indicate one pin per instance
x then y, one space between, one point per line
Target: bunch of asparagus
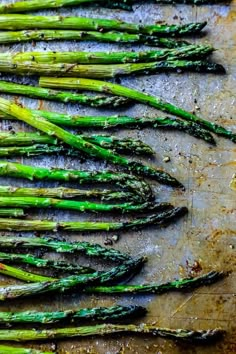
184 56
89 281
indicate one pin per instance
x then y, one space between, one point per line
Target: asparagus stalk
26 22
89 249
182 53
103 86
70 283
107 141
53 95
12 213
62 193
44 263
108 314
22 275
5 349
176 285
160 219
200 336
38 149
81 206
123 180
34 5
189 127
100 71
7 37
79 143
179 284
35 150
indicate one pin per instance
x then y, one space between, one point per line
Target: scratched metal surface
206 235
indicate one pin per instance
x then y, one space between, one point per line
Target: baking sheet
206 234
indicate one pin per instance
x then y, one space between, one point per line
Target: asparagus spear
200 336
82 206
107 141
12 212
53 95
108 314
89 249
34 5
7 37
25 22
123 180
5 349
187 52
22 275
179 284
98 71
160 219
63 193
103 86
189 127
38 149
40 123
69 283
45 263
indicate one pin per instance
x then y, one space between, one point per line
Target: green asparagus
103 86
12 212
107 141
45 263
22 275
189 127
176 285
62 193
53 95
160 219
108 314
51 244
81 206
187 52
7 37
25 22
5 349
101 71
42 124
179 284
200 336
38 149
118 273
123 180
34 5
